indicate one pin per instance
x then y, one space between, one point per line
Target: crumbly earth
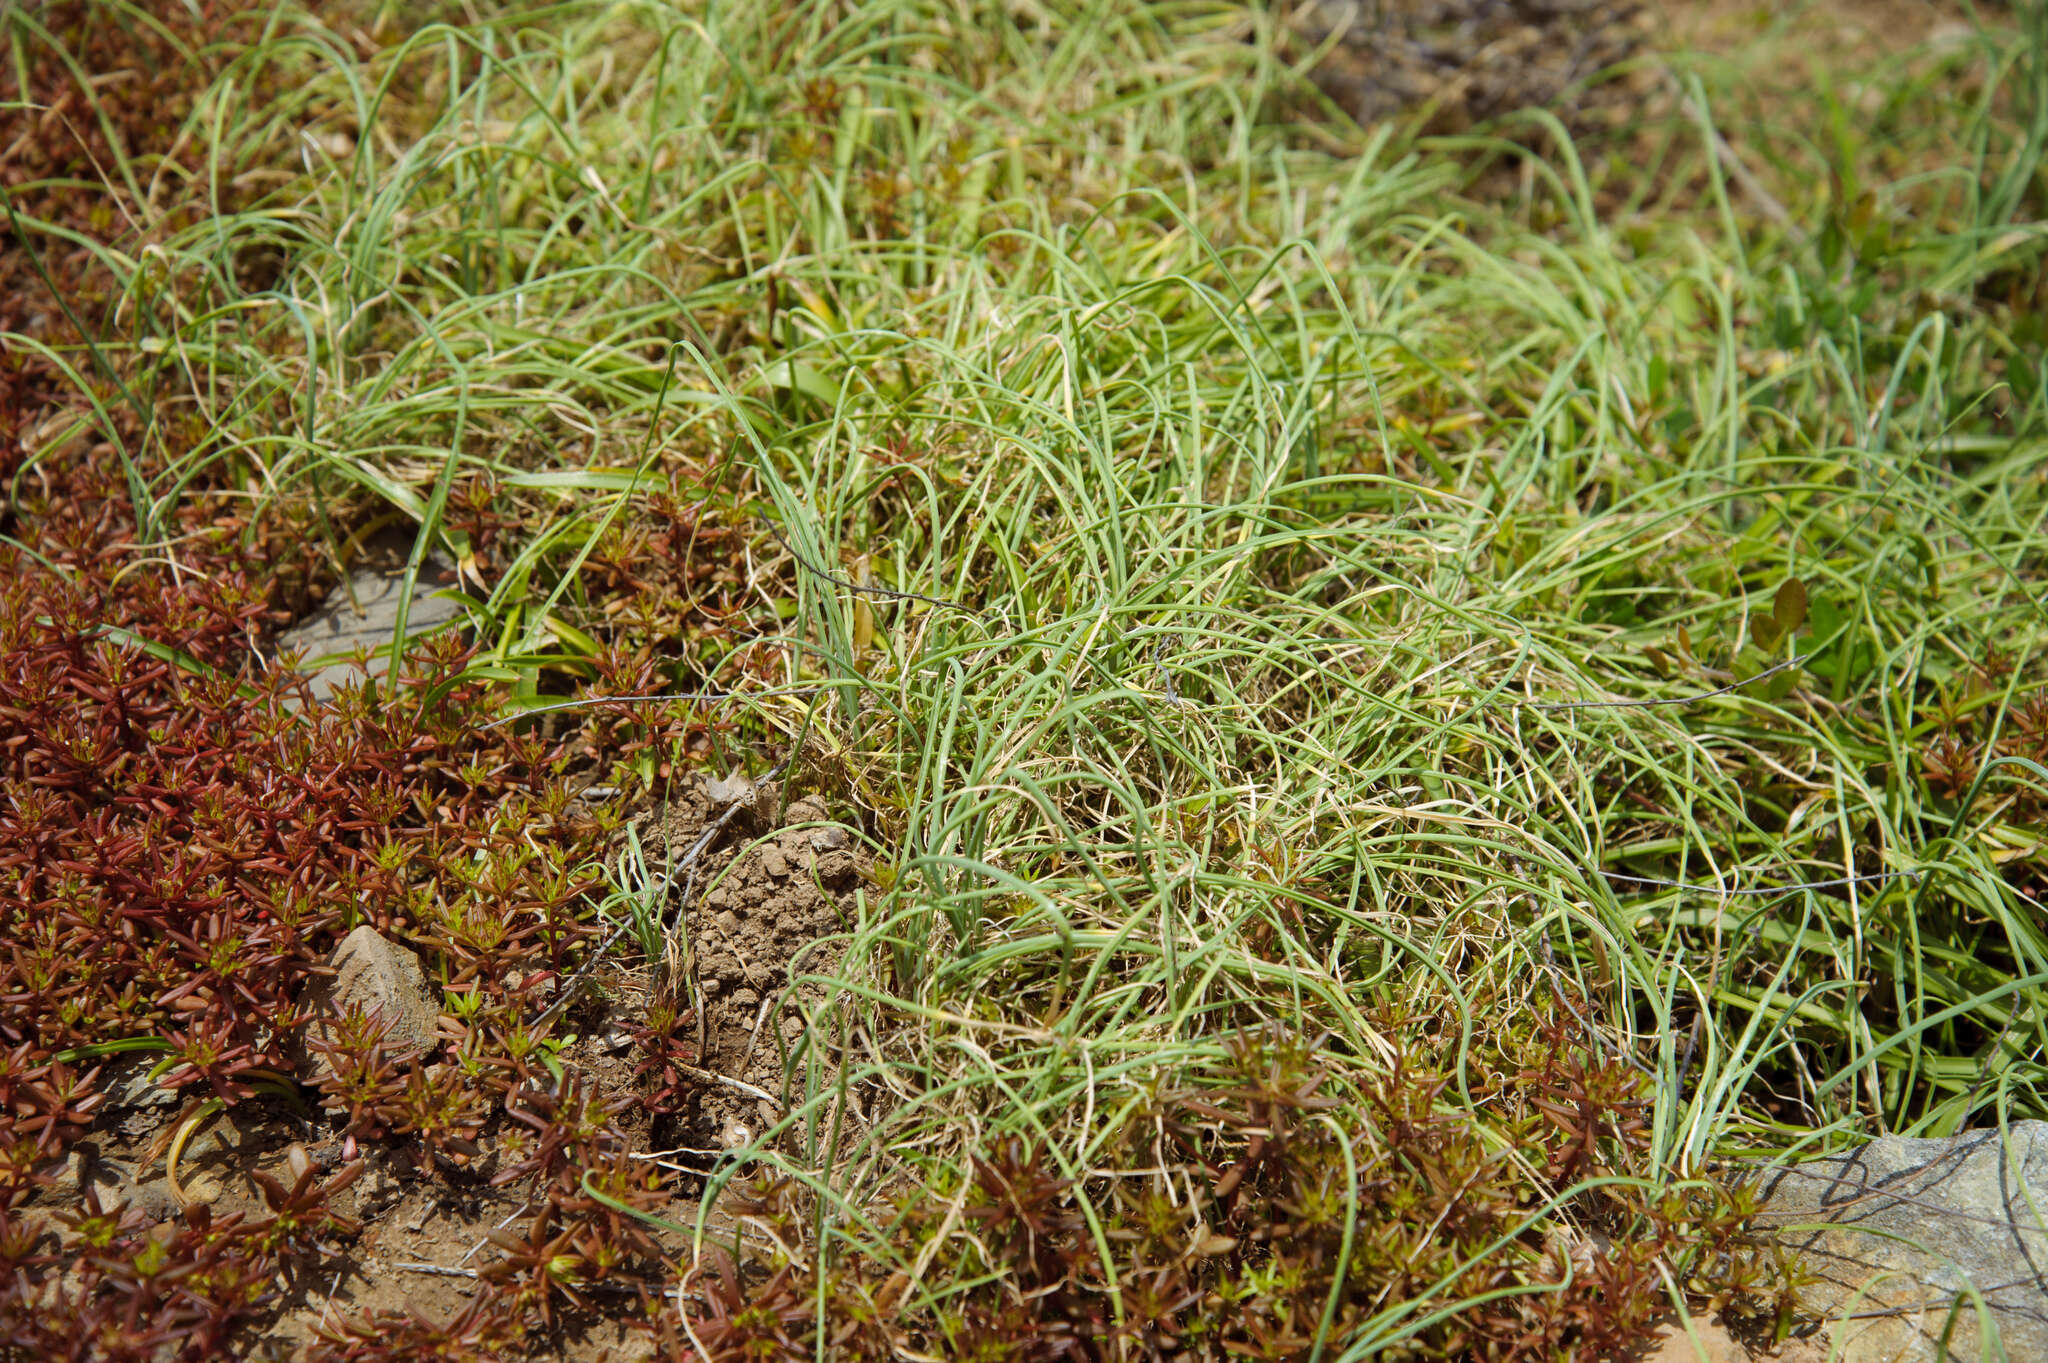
764 904
1459 62
1709 1342
1807 34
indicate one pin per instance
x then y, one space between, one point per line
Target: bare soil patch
1807 34
762 905
1458 62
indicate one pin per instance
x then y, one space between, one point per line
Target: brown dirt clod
1460 62
774 886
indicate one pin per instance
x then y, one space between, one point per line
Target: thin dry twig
885 593
582 701
1732 164
1762 889
1647 704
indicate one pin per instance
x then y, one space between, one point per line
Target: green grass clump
1400 727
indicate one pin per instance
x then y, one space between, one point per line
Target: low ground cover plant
1093 713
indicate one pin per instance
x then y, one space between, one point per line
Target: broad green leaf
802 378
1789 609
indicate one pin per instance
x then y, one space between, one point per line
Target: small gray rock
85 1169
154 1200
1899 1231
365 615
385 981
129 1086
735 789
379 1188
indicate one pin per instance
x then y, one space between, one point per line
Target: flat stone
1899 1232
154 1200
364 615
735 789
379 1189
128 1085
85 1169
383 979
